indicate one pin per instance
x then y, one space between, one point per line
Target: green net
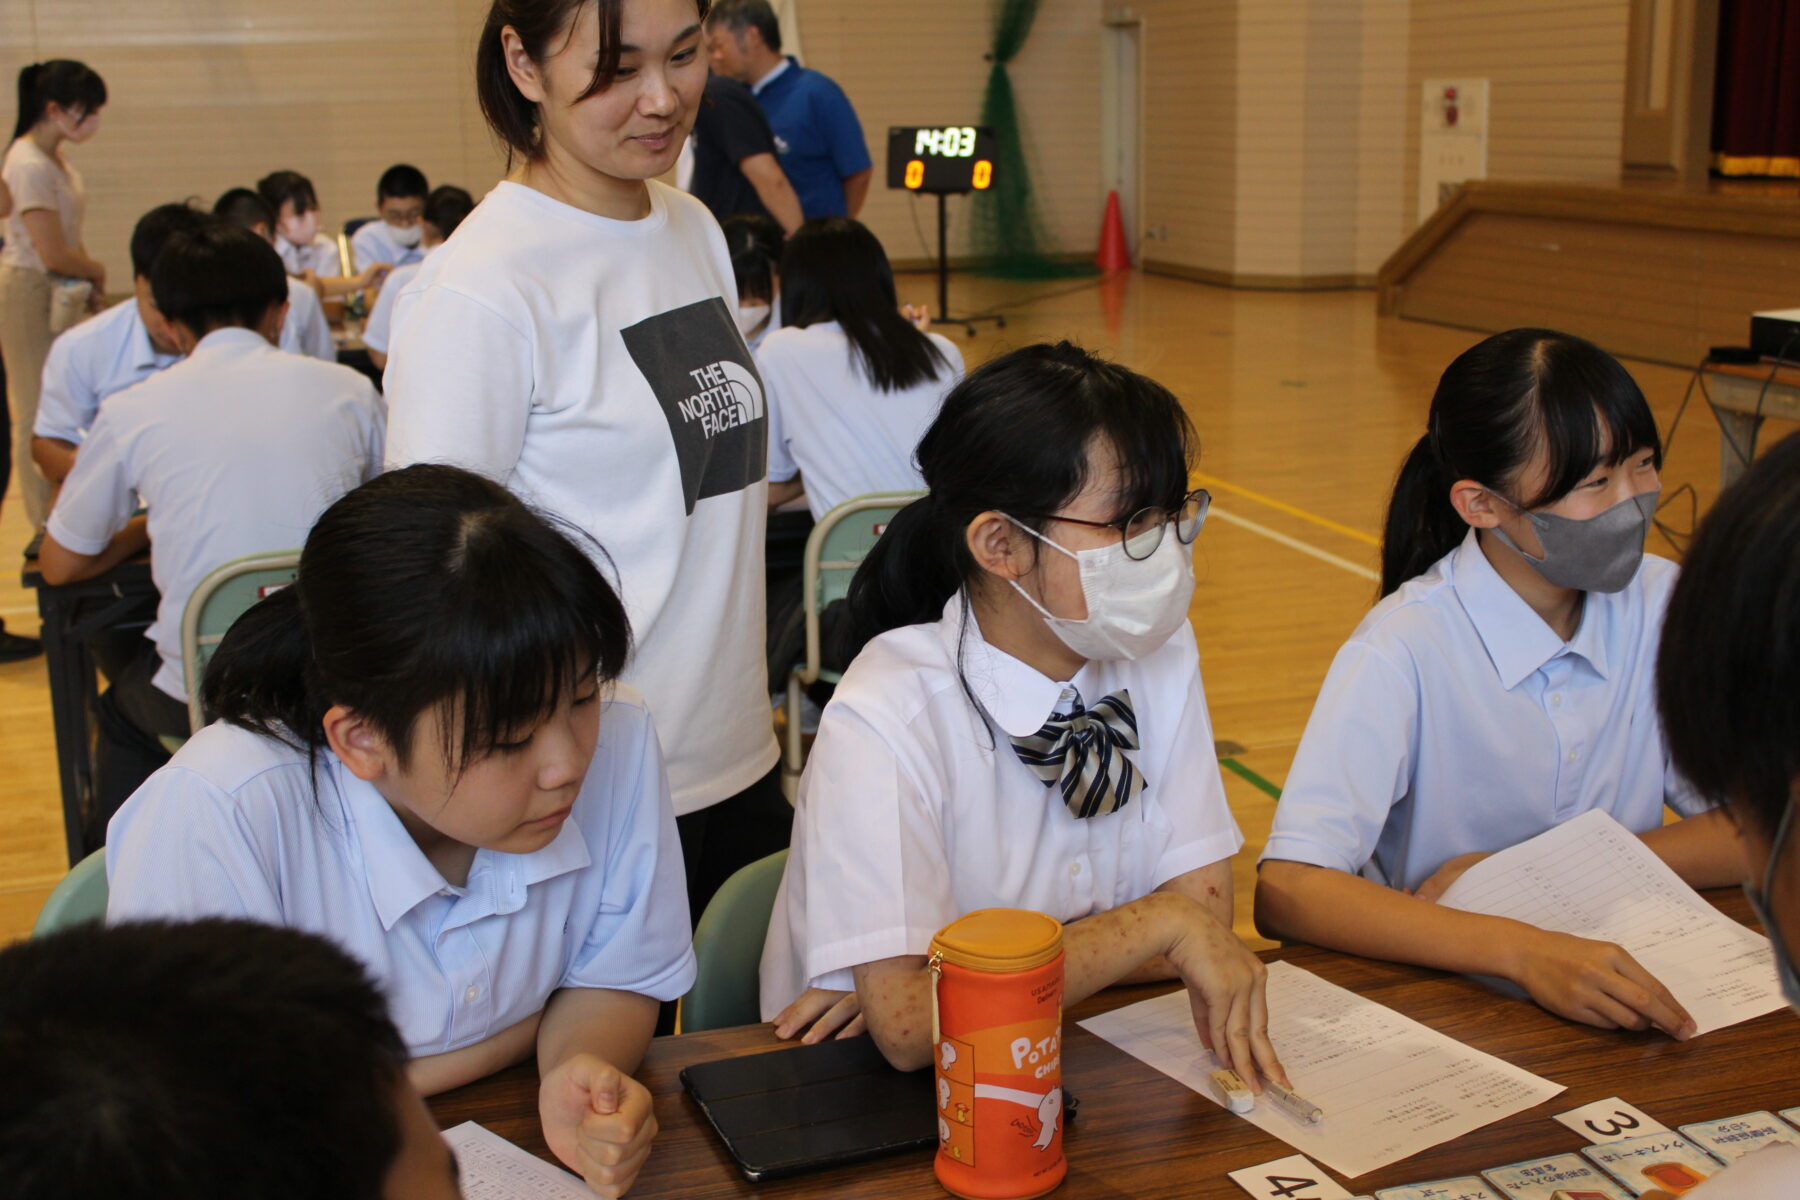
1006 236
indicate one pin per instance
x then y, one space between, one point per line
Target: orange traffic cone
1114 254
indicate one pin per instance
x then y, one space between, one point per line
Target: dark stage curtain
1756 106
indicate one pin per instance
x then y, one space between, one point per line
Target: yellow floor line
1293 543
1215 483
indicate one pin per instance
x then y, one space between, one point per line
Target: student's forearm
856 190
1211 888
783 490
777 195
54 457
434 1073
612 1026
379 358
60 565
1703 849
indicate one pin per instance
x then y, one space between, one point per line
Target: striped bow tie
1088 755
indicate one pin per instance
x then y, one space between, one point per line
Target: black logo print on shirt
696 362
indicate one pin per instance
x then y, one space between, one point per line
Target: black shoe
14 648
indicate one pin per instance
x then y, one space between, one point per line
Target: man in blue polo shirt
817 135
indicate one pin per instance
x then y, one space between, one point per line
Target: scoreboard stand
942 161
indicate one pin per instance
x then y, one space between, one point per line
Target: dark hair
446 207
1015 436
1495 405
752 14
754 242
290 187
213 1058
834 269
156 227
542 26
217 275
402 181
1730 656
63 81
428 588
245 209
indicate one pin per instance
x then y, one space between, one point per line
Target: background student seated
395 236
122 346
1502 686
445 209
217 1058
306 252
305 331
421 754
755 244
234 451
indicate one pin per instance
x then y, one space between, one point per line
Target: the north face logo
726 396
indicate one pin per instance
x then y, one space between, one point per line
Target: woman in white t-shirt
59 101
575 341
1025 727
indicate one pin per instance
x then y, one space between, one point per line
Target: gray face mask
1599 554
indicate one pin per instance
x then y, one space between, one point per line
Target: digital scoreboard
940 159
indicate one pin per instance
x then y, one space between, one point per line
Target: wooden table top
1141 1134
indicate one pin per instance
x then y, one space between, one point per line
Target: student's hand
372 275
598 1120
820 1013
1441 879
919 315
1227 989
310 278
1597 983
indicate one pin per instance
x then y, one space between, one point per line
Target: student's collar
1517 640
775 72
1019 698
231 339
144 354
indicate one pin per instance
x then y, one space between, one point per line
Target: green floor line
1251 777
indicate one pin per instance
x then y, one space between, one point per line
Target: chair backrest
80 897
356 223
220 599
728 946
837 545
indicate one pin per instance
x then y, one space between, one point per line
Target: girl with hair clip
59 102
1024 726
1502 686
576 341
423 755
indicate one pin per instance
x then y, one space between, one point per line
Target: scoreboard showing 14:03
940 158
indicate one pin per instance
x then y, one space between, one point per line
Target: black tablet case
790 1111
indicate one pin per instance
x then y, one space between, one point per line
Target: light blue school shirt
103 355
1455 720
372 243
238 825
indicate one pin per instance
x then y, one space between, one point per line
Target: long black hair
73 85
1730 656
1016 436
834 269
428 588
1495 405
754 242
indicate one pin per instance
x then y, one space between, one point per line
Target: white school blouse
319 256
378 330
238 825
372 243
843 435
103 355
914 808
306 331
1455 720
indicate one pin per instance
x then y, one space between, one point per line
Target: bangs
1155 445
1590 413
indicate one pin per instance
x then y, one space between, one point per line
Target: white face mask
751 318
406 235
1133 605
300 230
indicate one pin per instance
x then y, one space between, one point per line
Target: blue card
1467 1187
1665 1161
1543 1178
1734 1137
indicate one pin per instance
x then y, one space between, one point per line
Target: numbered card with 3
1555 1178
1468 1187
1665 1161
1734 1137
1611 1120
1295 1177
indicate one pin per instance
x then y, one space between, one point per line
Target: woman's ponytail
1422 525
912 570
28 111
73 85
260 675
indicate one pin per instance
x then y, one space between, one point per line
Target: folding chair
728 945
81 897
220 599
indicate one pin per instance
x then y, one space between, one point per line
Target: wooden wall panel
1190 137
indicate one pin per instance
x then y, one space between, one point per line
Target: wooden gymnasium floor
1305 403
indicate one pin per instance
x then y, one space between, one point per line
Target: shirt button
1574 754
1556 700
1074 869
472 995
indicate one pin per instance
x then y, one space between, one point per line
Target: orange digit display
915 173
984 173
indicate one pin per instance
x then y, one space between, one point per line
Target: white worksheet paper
1389 1086
495 1169
1594 878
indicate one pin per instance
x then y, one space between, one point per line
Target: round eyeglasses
1142 532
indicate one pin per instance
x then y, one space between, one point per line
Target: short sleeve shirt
39 182
817 135
103 355
240 825
729 128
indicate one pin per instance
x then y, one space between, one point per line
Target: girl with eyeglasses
1024 726
1501 687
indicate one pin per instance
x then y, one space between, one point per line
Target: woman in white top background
59 103
576 341
1503 685
1026 726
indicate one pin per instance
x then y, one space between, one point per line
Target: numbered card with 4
1295 1177
1734 1137
1467 1187
1610 1120
1554 1178
1666 1161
